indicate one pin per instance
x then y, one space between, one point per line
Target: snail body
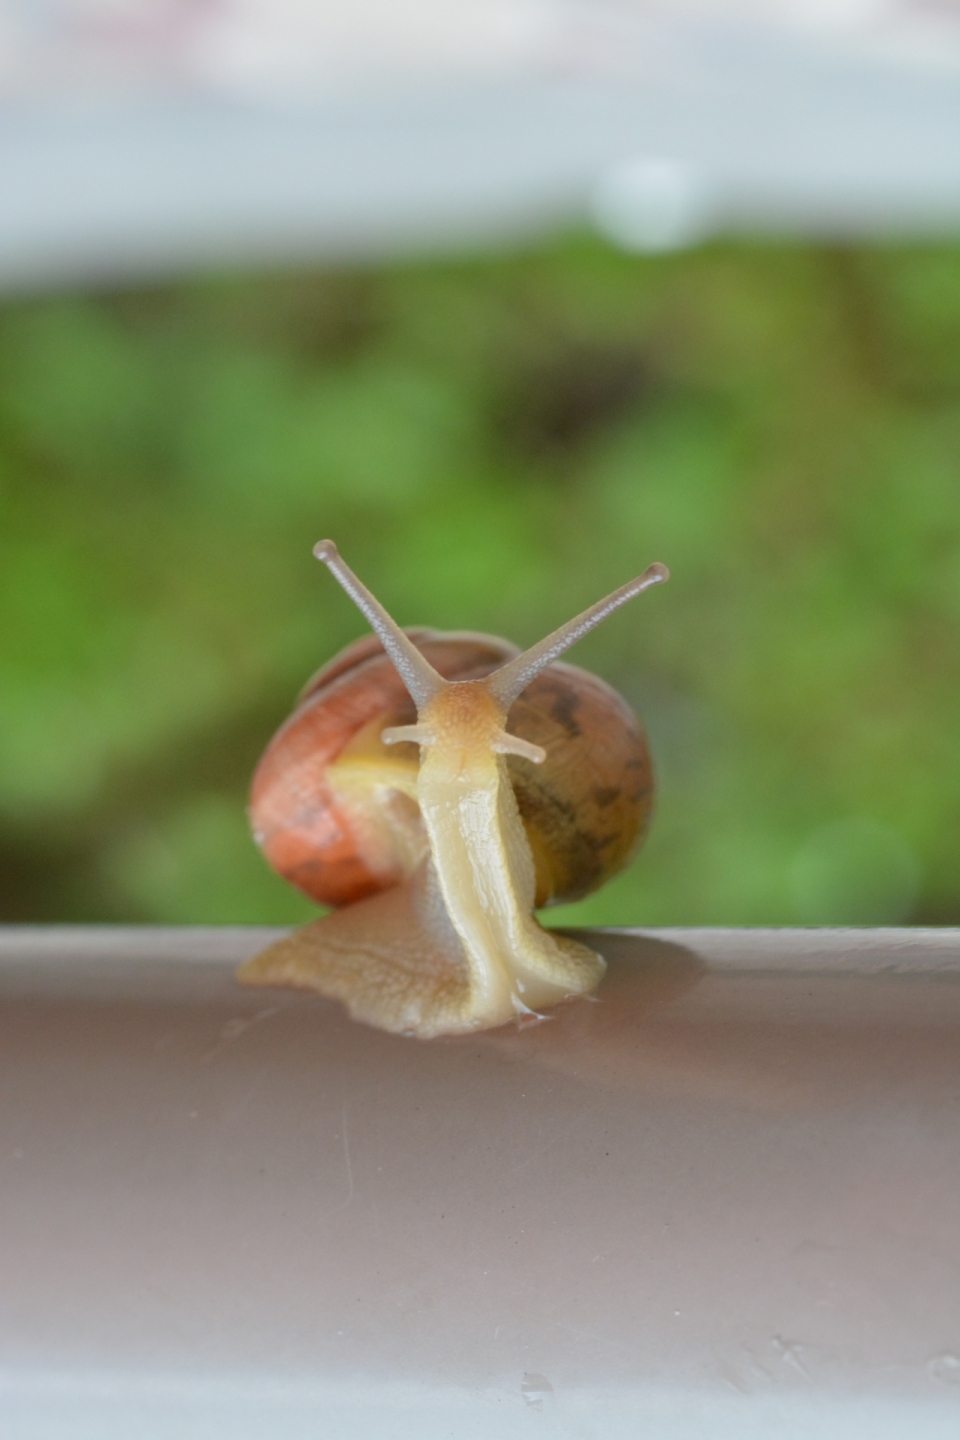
396 792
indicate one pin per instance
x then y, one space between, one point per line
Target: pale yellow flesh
485 872
456 947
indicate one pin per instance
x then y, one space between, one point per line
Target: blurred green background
494 443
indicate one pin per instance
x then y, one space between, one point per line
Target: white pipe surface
723 1199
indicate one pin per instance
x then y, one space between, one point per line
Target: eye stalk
416 672
509 682
503 686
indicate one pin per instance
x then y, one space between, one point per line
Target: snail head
465 717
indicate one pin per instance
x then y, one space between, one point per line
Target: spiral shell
585 810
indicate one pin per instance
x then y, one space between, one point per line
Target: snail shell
439 855
585 810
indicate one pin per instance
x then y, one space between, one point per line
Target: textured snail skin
438 858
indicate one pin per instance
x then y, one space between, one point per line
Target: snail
437 788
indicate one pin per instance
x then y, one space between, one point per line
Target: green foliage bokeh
494 443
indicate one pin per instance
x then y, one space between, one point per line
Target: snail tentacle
507 683
506 744
397 734
415 670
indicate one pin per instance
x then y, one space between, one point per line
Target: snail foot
391 959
